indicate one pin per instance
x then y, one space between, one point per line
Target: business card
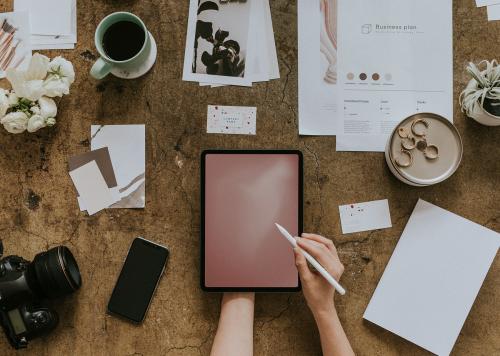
365 216
236 120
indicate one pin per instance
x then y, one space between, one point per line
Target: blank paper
92 187
433 278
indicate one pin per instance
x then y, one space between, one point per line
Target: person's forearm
235 332
334 341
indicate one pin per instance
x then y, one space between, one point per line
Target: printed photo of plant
220 44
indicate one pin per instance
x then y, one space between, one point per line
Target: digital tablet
243 195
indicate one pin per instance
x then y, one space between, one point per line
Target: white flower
48 107
63 69
29 84
54 86
15 122
13 98
38 68
35 109
35 123
51 121
29 89
4 102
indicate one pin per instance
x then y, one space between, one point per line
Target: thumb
301 263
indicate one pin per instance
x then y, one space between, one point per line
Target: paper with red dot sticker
236 120
365 216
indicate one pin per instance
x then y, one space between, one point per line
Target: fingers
319 251
301 263
323 240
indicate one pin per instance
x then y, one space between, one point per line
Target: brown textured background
38 207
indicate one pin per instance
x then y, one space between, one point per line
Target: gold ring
418 121
431 152
400 163
422 145
408 143
403 132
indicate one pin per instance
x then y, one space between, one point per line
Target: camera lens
56 272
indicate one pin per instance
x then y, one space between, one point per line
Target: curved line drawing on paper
135 199
328 38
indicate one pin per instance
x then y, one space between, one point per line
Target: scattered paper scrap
365 216
127 148
91 187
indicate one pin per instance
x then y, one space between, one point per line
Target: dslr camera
25 285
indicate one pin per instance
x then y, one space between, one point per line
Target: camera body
25 285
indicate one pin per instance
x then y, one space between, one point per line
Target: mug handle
100 69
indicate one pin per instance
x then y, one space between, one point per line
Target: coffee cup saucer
143 68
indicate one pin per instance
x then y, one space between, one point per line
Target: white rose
51 121
31 89
38 67
35 109
48 107
13 99
4 102
35 123
54 86
63 69
15 122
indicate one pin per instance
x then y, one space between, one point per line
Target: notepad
433 278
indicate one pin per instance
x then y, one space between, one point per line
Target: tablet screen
245 194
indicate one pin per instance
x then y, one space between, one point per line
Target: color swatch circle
363 76
375 76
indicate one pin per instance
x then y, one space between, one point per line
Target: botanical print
220 43
15 47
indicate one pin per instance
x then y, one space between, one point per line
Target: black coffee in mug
123 40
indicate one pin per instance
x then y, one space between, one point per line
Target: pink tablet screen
245 194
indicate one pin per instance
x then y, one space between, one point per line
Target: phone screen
138 279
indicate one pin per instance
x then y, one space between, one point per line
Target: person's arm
319 293
235 332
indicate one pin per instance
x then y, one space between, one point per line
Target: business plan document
395 60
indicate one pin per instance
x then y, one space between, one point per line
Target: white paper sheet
433 278
91 187
126 144
47 17
365 216
54 46
317 67
396 60
239 120
480 3
493 12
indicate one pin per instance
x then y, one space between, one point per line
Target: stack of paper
230 43
15 46
493 8
113 173
53 22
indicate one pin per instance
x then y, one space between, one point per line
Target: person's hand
317 291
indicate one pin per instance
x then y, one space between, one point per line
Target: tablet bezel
204 154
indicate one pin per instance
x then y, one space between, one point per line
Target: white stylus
312 261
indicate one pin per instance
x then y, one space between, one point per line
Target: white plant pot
481 115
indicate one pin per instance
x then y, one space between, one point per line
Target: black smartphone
138 279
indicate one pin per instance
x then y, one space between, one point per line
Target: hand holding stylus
315 249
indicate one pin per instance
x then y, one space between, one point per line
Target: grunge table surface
38 207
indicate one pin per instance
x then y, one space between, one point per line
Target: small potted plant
480 100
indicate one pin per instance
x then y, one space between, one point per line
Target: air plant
483 90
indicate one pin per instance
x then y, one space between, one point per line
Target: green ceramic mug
104 65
